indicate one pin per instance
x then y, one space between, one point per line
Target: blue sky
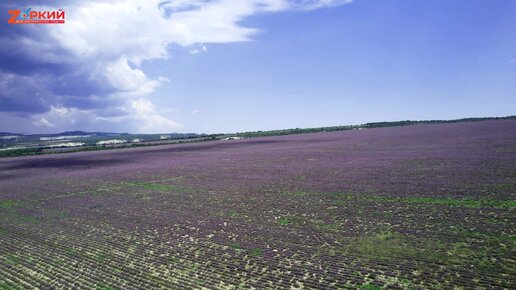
226 66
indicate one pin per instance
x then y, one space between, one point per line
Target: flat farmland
415 207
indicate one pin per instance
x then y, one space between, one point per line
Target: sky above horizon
209 66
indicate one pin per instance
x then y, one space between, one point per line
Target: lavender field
416 207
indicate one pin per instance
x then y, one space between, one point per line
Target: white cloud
140 30
150 120
108 40
129 81
43 122
140 114
60 116
142 107
61 111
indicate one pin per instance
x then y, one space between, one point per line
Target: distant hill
82 133
361 126
79 133
263 133
95 134
15 144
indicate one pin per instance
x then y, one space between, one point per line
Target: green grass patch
466 202
339 202
10 204
11 259
446 201
71 251
284 221
173 260
237 215
236 246
100 257
5 286
391 246
57 214
482 258
490 237
29 218
388 245
324 226
159 186
343 197
256 252
9 208
370 287
298 193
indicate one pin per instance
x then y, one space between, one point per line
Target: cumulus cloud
151 121
43 122
88 70
144 113
129 81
